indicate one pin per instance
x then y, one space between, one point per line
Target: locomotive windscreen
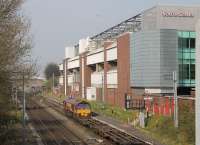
83 106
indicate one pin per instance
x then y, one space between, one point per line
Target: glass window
185 43
192 55
186 55
186 61
180 34
192 69
192 35
180 72
186 58
185 34
180 44
192 61
185 72
192 43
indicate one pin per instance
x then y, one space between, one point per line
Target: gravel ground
56 129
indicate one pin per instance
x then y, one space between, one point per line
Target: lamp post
175 99
23 73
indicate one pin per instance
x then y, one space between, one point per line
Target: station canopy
130 25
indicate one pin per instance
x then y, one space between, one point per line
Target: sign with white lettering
177 14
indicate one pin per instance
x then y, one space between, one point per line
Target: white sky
60 23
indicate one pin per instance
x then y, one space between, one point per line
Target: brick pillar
85 75
106 69
123 67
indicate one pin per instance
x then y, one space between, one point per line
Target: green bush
114 111
162 128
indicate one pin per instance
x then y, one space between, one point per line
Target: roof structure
130 25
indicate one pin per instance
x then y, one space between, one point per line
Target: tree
15 48
15 42
51 69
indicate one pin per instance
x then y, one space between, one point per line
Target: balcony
112 79
112 54
96 56
97 79
61 80
74 63
73 79
70 79
61 68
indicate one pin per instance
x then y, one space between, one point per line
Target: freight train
78 109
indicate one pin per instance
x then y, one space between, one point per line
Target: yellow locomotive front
83 109
78 109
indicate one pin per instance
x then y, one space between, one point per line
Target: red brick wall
111 96
99 94
123 67
106 69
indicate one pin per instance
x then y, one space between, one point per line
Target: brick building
135 57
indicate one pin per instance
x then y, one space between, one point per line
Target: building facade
136 57
197 104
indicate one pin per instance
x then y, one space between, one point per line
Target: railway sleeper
127 141
124 136
129 138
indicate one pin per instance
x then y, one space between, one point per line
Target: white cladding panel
61 80
158 91
95 58
73 64
112 54
83 45
112 79
70 79
91 93
69 52
97 79
61 67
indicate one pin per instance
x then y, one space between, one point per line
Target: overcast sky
60 23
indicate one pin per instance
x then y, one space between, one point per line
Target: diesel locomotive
78 109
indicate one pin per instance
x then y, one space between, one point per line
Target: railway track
51 130
118 137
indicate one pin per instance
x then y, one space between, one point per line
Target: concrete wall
171 17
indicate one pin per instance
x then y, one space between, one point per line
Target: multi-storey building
135 57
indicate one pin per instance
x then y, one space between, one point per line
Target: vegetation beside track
126 116
158 127
162 128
